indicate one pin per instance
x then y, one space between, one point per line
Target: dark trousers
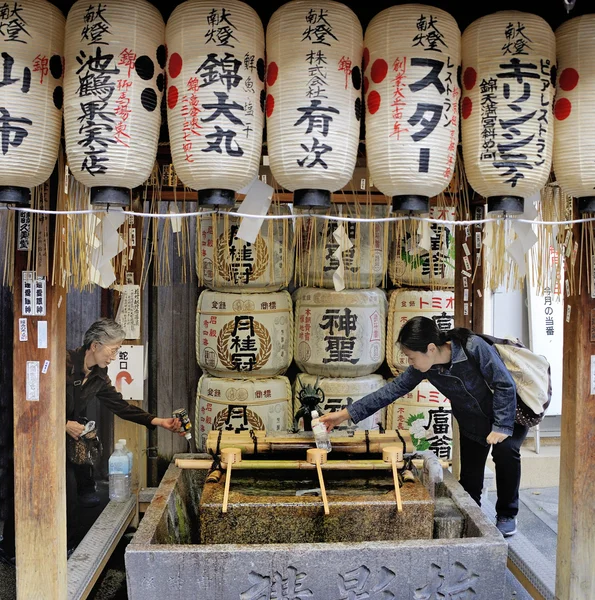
507 458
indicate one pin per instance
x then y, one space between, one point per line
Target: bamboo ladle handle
229 456
318 457
394 454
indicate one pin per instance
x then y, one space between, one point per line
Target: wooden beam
575 563
39 443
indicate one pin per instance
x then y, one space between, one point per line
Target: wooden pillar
575 564
39 440
469 283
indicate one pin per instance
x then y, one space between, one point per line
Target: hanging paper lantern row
509 73
215 96
574 143
113 86
32 40
412 97
313 103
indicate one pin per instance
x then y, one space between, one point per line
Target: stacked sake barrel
244 327
340 332
425 412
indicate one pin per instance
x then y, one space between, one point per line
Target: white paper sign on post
129 311
126 372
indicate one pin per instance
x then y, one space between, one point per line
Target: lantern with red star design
574 141
113 85
509 70
32 42
313 106
215 96
411 64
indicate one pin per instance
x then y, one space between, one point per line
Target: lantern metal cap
216 197
586 204
311 198
110 196
19 196
512 205
410 203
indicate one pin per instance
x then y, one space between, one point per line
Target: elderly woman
86 379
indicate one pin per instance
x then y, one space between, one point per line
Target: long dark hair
418 332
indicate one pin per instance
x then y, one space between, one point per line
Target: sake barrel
227 263
338 393
241 404
339 334
244 335
426 414
426 258
438 305
342 254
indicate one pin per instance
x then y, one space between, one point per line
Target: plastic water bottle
119 475
323 440
130 455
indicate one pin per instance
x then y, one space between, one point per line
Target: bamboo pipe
318 458
229 456
392 454
291 465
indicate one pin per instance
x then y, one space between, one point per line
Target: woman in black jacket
86 379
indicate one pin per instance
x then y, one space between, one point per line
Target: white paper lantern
509 61
411 62
113 85
574 142
32 45
215 96
313 106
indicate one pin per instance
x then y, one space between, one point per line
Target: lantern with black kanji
113 84
313 103
574 110
215 96
411 63
509 70
32 43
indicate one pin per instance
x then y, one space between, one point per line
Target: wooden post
575 573
469 282
39 440
134 434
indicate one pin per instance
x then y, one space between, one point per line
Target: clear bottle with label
119 475
130 455
323 440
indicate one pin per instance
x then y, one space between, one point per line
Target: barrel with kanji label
235 405
244 335
438 305
230 264
427 256
336 393
426 414
339 334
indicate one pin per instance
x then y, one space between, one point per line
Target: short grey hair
104 331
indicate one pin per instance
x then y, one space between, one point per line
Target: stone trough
166 558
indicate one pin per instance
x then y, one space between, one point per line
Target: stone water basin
270 507
167 559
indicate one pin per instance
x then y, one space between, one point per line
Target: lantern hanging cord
301 215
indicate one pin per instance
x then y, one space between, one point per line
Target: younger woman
482 393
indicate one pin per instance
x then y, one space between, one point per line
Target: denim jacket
481 391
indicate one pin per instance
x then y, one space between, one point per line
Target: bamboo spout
229 456
394 455
318 457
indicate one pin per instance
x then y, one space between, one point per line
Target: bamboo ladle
394 455
229 456
317 457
